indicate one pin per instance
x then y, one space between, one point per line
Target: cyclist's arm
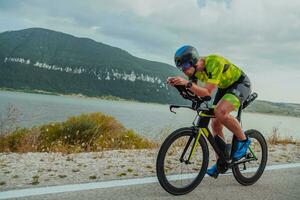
203 91
210 87
214 68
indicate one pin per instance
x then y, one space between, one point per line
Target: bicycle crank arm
242 161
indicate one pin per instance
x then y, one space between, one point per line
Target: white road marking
110 184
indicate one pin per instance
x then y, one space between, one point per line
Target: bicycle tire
161 158
246 181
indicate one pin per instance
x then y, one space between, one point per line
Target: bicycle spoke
174 157
249 169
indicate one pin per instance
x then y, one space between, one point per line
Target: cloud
203 3
258 35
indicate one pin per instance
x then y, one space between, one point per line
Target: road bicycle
183 157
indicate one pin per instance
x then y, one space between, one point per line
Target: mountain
288 109
42 59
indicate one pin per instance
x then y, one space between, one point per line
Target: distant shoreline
115 98
104 97
28 91
79 95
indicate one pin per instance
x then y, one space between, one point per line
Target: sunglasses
184 66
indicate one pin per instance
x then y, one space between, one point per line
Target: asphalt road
275 184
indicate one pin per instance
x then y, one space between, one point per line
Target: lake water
145 118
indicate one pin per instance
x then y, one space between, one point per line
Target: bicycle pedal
215 175
248 155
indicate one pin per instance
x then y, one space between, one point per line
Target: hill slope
47 60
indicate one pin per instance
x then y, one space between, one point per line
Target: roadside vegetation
276 138
83 133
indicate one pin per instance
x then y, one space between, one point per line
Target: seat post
238 117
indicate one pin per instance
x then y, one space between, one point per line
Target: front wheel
249 172
175 173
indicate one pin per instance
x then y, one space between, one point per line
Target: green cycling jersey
219 71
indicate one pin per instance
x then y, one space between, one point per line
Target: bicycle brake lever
173 106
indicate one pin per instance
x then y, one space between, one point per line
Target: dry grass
93 177
62 176
275 138
2 183
9 119
35 180
83 133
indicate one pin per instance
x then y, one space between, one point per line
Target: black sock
244 140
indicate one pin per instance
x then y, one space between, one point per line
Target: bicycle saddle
250 98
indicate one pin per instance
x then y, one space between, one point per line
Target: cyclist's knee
221 113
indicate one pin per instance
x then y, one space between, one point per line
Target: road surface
274 184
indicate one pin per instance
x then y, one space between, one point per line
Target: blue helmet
186 56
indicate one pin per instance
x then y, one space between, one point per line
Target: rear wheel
175 175
249 172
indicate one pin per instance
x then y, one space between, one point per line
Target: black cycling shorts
240 89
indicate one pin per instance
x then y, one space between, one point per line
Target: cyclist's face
189 71
200 65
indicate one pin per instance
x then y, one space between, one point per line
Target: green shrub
14 140
86 132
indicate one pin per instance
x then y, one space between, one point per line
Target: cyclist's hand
177 81
170 80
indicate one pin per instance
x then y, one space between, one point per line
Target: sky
260 36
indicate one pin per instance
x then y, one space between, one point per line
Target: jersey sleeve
214 71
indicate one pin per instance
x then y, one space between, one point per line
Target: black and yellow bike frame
201 128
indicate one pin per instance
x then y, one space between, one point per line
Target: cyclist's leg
222 112
233 98
216 125
217 129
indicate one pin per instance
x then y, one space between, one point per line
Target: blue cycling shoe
241 148
213 171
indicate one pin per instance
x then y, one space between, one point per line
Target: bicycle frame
201 128
199 134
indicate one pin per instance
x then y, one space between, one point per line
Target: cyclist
233 87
